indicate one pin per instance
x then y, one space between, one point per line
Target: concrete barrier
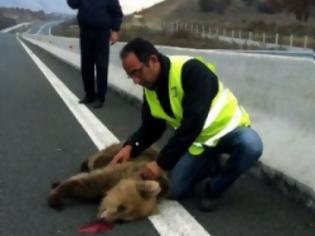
278 92
7 30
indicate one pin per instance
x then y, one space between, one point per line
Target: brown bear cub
125 195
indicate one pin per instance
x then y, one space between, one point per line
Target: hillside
238 17
238 14
12 16
49 6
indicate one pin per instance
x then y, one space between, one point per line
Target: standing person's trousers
244 147
94 52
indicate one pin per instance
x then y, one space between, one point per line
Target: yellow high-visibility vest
224 116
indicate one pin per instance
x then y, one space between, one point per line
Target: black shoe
87 100
207 201
98 104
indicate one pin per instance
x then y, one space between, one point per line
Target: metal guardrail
7 30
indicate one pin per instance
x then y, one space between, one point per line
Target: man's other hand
123 155
152 171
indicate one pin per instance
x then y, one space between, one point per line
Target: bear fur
102 158
126 196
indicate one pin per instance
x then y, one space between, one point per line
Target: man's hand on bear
123 155
152 171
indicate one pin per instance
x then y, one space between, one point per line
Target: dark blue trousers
94 53
243 146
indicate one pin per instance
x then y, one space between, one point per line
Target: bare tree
218 6
301 8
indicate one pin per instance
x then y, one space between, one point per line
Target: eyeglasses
136 72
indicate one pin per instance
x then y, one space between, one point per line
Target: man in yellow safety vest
185 93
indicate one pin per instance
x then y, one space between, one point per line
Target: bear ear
148 188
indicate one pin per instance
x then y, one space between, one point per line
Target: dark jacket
98 15
200 87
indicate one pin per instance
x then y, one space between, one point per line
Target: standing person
186 93
99 22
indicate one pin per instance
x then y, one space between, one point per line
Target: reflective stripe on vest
224 116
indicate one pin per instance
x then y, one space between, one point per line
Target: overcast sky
134 5
61 5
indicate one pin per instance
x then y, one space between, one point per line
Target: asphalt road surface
42 141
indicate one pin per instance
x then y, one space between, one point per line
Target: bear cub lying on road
125 195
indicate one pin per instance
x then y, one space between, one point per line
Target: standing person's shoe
99 104
87 100
207 201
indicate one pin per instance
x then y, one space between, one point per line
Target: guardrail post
305 41
264 38
192 28
203 33
277 39
174 28
291 40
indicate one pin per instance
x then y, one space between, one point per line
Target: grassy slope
237 15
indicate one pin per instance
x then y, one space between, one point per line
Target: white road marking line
173 219
99 134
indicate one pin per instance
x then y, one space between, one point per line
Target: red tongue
95 228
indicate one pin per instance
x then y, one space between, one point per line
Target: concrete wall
278 92
8 30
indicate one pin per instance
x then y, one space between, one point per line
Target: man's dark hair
142 48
